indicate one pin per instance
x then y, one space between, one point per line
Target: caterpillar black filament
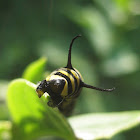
64 86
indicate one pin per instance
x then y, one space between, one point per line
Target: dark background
107 54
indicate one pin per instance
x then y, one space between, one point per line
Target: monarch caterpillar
64 86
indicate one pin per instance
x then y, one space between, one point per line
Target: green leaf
104 125
34 72
32 116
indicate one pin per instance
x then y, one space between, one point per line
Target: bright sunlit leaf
104 125
32 116
34 71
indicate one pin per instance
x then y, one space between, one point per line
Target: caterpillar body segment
64 86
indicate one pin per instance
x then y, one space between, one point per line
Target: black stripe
68 80
75 80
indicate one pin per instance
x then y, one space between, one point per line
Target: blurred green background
107 54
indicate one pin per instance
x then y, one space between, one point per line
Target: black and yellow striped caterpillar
64 86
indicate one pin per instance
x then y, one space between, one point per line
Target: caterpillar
64 86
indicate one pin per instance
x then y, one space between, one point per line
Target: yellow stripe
71 78
51 77
65 89
76 76
79 73
48 78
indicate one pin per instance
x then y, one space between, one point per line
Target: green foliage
34 72
31 116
